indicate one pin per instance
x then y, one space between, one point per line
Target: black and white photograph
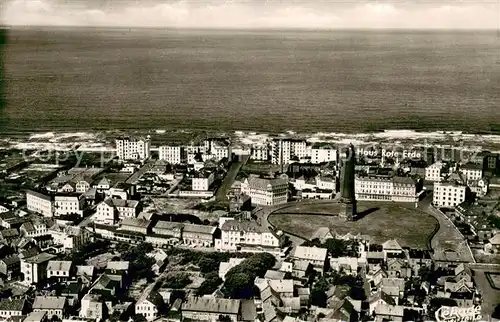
249 160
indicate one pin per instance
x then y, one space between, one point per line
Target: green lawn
382 221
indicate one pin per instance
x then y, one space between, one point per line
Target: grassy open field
379 221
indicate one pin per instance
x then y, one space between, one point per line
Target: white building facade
202 182
133 149
266 192
247 236
448 194
398 189
320 154
64 205
283 150
434 172
172 154
39 203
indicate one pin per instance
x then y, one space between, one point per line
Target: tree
224 318
239 286
207 264
138 318
210 284
496 313
318 298
177 281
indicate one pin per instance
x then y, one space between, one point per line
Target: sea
357 81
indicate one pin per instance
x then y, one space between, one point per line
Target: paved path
231 174
146 167
448 236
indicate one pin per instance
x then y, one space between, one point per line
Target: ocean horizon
103 79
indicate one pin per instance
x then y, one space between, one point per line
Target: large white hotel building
385 188
133 149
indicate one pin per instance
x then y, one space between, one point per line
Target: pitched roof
274 275
495 240
392 244
9 233
265 184
40 258
36 316
212 305
38 195
391 310
49 302
242 225
11 260
248 310
135 222
394 282
310 253
168 225
200 229
59 265
12 304
104 182
118 265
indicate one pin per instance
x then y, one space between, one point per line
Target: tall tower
347 193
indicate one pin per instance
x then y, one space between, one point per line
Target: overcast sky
328 14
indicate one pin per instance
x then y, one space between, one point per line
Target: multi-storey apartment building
172 154
34 269
217 148
448 194
323 153
39 203
247 236
202 181
64 205
434 171
471 171
133 148
399 189
266 191
282 150
260 153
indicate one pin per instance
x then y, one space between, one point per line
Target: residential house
449 194
385 312
150 305
398 267
126 208
301 268
103 185
93 307
53 305
394 287
9 235
392 249
83 185
73 291
492 246
10 266
435 171
13 307
106 213
34 268
200 235
40 316
70 237
61 270
69 204
348 265
202 180
85 274
315 255
210 309
472 171
137 225
39 203
247 236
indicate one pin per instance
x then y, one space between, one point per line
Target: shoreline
98 141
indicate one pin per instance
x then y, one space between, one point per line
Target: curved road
447 237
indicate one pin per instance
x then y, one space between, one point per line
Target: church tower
347 193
